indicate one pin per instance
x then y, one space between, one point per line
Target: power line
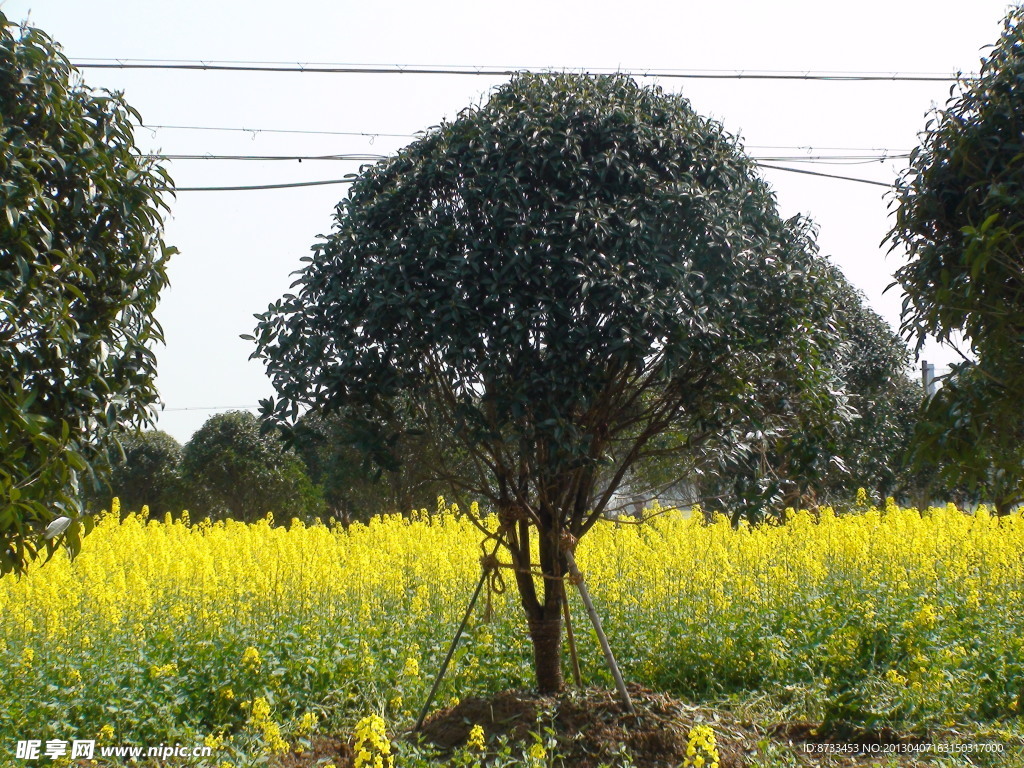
825 175
278 130
298 158
399 69
254 187
211 408
847 159
885 152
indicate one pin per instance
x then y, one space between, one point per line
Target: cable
210 408
398 69
278 130
349 181
888 153
299 158
248 188
825 175
842 159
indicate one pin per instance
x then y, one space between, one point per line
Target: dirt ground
591 726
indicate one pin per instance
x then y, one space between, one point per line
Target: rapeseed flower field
252 637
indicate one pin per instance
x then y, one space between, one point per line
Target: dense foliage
354 485
965 420
232 469
248 635
823 440
960 213
145 468
82 264
554 279
960 217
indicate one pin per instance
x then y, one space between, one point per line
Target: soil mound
591 726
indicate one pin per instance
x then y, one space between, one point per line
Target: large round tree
556 278
82 264
230 469
960 218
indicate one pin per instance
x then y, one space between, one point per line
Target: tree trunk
543 613
546 636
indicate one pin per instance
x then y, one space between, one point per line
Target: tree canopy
555 278
960 217
231 469
823 439
960 213
970 440
145 470
82 264
355 487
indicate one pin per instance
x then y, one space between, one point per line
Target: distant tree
82 265
824 438
873 366
146 471
357 487
971 442
554 279
230 469
960 217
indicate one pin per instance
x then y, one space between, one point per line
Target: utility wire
398 69
349 181
298 158
825 175
843 159
211 408
888 153
248 188
278 130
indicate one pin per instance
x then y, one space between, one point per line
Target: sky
239 248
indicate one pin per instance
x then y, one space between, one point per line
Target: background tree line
229 469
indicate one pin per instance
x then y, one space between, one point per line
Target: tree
231 469
872 365
145 471
355 487
82 264
969 440
960 217
823 439
555 279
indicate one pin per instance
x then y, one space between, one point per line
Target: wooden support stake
571 638
451 650
596 621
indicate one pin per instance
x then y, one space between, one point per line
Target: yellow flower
106 733
701 748
214 741
372 747
895 677
306 724
412 668
537 752
476 738
166 670
251 659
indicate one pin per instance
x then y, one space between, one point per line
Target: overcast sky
238 248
